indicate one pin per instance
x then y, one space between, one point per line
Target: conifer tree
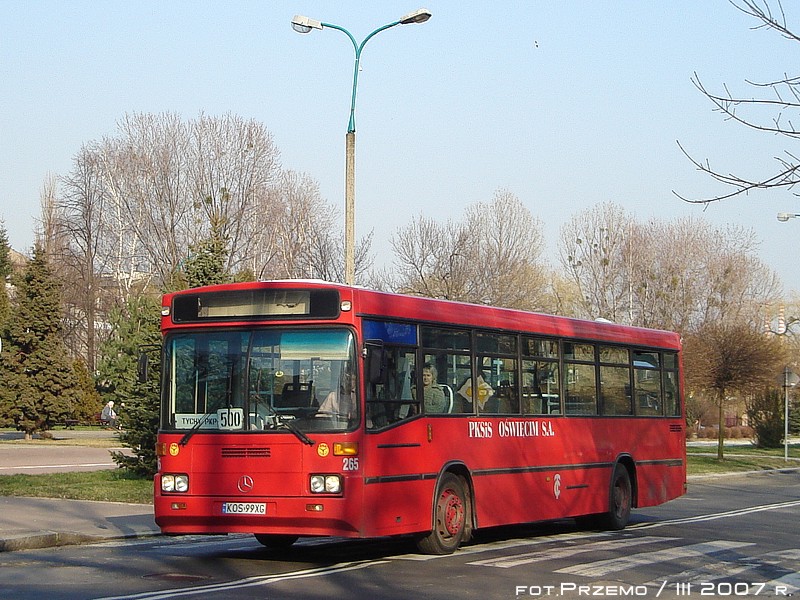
89 402
206 264
135 329
5 274
41 386
5 313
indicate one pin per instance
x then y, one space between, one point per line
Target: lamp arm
351 126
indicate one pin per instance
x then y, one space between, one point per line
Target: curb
735 473
48 539
52 539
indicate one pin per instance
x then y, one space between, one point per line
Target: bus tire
275 541
450 517
620 500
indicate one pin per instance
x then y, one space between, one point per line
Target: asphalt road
38 456
728 537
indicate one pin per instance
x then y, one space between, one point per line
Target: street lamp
790 380
303 24
783 217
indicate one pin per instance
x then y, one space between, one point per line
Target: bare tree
666 272
725 357
492 257
234 169
297 235
685 273
772 109
675 275
434 260
83 224
168 179
508 243
49 235
594 250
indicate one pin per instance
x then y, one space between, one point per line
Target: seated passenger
433 396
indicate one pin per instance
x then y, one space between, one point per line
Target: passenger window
672 406
647 379
446 339
540 388
393 400
501 396
540 347
580 390
454 376
615 390
583 352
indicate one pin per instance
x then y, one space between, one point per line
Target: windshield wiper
287 424
188 435
294 429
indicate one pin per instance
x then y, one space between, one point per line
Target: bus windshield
260 380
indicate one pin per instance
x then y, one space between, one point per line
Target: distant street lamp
783 217
303 24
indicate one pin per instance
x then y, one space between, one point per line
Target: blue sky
566 104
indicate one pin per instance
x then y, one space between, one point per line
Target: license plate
244 508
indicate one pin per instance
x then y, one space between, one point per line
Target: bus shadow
325 551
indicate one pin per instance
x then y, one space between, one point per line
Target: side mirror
142 367
377 360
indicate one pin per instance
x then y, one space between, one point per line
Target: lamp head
783 217
418 16
303 24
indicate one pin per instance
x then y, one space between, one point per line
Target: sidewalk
28 523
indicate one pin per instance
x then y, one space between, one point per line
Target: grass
745 449
111 485
702 460
116 485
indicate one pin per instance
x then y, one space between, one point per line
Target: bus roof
387 305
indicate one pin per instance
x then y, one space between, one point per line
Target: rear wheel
274 541
620 500
450 518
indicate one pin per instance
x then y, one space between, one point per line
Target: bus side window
454 372
541 384
390 400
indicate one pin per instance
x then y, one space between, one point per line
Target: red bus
290 409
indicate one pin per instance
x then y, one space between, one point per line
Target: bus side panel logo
557 485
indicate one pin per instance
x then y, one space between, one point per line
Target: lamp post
790 380
303 24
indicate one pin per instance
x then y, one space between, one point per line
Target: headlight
181 483
326 484
174 483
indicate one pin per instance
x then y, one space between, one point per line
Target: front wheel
450 518
275 541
